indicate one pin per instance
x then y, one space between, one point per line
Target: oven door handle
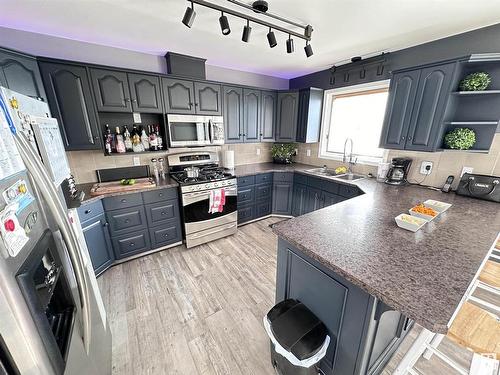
229 191
210 132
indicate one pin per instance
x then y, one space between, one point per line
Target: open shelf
471 123
471 93
472 150
137 153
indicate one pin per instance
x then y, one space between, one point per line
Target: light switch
258 151
137 161
308 152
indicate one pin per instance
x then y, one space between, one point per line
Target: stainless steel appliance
200 224
191 130
52 316
398 172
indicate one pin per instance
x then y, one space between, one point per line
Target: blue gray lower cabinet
364 331
254 197
96 234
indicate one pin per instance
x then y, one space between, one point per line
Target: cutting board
102 188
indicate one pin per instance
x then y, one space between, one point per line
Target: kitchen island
369 280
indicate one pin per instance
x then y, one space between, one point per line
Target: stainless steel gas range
201 179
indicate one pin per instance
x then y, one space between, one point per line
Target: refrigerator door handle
49 193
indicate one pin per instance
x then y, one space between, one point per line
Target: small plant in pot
460 139
282 152
477 81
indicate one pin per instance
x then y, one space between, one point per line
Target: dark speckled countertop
425 274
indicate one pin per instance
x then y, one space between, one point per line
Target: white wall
68 49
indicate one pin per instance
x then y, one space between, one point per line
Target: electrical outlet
258 151
296 151
466 170
308 152
137 161
426 167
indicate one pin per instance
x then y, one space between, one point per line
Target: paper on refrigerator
10 159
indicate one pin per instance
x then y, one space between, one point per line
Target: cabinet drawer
246 180
348 191
159 195
264 178
263 191
157 213
263 208
90 210
283 177
131 244
300 179
168 233
126 220
246 213
122 201
246 195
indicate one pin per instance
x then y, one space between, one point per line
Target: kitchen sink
350 177
321 171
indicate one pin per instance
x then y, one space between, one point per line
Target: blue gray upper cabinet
20 73
179 96
207 99
233 113
309 117
416 107
71 102
286 127
251 115
145 91
111 90
269 101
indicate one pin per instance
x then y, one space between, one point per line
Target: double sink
329 173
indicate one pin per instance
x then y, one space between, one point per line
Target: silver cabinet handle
131 244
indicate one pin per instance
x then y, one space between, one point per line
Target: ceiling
342 28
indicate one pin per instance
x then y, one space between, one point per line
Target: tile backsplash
83 164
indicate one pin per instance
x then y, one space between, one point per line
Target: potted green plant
460 139
282 152
477 81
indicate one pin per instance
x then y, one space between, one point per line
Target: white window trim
327 109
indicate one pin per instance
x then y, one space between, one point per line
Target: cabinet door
178 95
233 113
20 73
287 116
328 199
71 102
251 115
299 200
303 112
268 116
98 242
399 108
145 92
430 103
111 90
313 199
282 198
207 99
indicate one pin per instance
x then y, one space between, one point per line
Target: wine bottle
108 148
159 137
136 140
153 141
128 139
120 144
144 139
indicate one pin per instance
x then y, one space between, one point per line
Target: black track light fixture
224 24
247 30
271 38
189 16
308 49
289 45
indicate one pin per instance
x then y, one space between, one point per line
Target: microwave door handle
210 132
49 193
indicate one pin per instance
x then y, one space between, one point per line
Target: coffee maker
398 171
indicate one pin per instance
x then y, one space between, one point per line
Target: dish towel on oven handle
217 201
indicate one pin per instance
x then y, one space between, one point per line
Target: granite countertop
166 183
425 274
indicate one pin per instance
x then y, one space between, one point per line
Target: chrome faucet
350 159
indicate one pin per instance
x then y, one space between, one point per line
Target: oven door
186 131
196 215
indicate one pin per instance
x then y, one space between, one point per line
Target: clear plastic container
382 170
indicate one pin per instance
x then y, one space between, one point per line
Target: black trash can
299 340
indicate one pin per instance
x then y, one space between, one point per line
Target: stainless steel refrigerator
52 319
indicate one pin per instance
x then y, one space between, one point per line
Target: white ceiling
342 28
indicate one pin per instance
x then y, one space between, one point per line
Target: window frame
326 118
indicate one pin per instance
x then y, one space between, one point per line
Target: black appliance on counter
398 172
480 186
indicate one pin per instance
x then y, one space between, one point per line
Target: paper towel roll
229 159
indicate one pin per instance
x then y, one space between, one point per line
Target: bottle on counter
144 139
156 172
161 168
136 140
120 144
153 141
108 141
159 137
128 139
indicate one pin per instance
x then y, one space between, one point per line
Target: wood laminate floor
199 311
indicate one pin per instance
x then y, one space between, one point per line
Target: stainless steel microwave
192 130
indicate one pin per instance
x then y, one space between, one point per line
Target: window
355 112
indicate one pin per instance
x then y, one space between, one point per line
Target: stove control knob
207 186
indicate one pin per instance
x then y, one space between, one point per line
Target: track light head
224 24
289 45
308 50
247 30
189 16
271 38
